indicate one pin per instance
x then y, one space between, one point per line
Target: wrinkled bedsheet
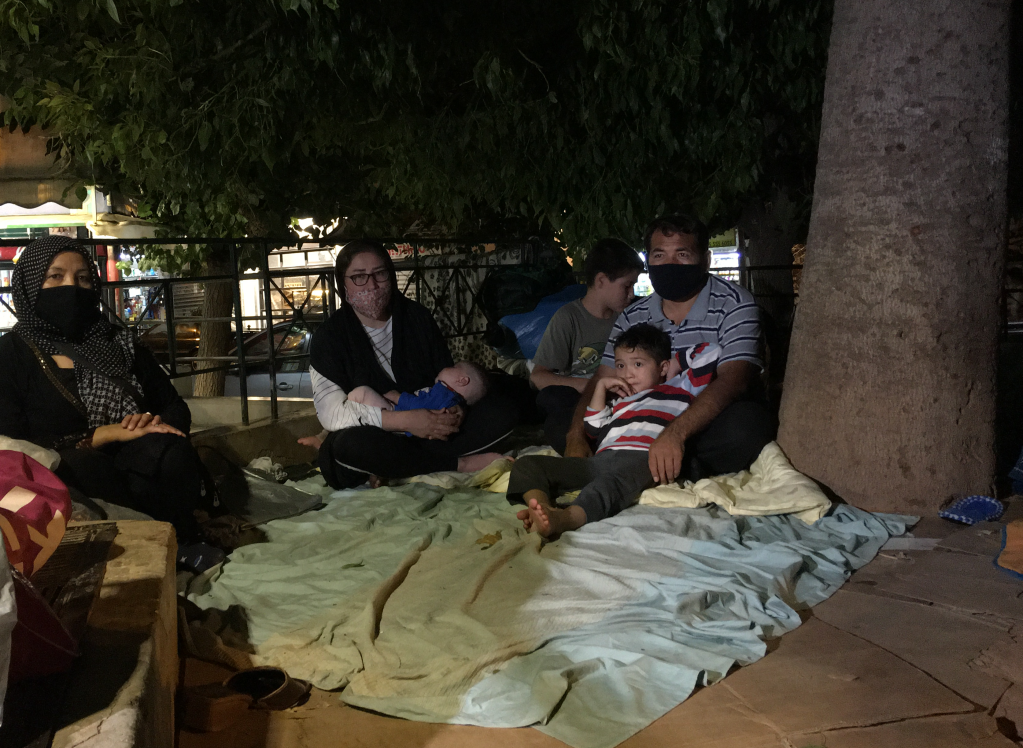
432 604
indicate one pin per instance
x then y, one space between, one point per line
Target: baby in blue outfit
465 382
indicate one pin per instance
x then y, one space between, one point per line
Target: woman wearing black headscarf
72 382
383 340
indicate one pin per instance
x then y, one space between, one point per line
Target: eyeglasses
361 279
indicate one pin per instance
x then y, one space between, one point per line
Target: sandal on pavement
973 509
217 706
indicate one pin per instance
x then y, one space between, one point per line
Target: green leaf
112 10
205 130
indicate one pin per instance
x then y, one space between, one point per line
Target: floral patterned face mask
370 302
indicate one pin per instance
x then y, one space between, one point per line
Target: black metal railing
449 284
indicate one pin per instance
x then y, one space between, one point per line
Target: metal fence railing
273 295
280 290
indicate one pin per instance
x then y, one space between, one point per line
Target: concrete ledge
122 688
211 412
266 438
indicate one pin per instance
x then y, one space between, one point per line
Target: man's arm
542 377
576 444
732 381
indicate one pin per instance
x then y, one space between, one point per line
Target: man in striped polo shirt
729 422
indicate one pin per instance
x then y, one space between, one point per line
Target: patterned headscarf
109 350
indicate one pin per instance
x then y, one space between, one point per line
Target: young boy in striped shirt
618 472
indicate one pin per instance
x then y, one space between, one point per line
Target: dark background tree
571 120
575 120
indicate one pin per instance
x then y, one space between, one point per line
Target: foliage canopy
579 119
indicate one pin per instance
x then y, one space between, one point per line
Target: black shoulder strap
47 368
79 358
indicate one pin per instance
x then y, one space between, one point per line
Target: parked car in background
291 342
186 338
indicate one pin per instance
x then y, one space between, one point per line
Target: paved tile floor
921 649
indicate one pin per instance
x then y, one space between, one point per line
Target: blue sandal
973 509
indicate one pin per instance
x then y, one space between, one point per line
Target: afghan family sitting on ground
665 388
637 393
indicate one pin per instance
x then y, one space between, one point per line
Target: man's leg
558 403
619 477
731 442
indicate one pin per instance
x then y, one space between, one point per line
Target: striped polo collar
697 314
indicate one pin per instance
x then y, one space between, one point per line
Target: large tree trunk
890 394
215 337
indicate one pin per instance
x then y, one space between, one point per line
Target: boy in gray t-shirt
570 351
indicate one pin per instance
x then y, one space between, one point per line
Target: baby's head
467 379
642 356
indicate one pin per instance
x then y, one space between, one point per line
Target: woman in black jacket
72 382
385 341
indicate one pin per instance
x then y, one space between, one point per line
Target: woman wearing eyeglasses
385 341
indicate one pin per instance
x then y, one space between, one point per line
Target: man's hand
666 457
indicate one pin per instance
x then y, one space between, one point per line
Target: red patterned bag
34 509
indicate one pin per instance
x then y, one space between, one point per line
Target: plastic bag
530 326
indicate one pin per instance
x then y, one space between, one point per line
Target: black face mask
71 309
677 282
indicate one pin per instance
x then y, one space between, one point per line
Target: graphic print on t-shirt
587 359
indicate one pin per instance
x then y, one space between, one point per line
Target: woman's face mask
370 301
71 309
368 286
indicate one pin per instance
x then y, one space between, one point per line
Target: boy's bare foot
311 441
472 463
550 521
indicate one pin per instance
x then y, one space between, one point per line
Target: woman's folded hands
132 427
433 424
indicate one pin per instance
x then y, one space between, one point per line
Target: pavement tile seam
977 707
882 723
1004 623
754 715
972 725
993 620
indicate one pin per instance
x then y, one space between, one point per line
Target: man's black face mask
677 282
71 309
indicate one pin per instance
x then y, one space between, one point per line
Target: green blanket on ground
433 604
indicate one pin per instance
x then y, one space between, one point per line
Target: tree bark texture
890 391
215 338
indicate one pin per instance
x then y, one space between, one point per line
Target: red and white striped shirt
634 422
